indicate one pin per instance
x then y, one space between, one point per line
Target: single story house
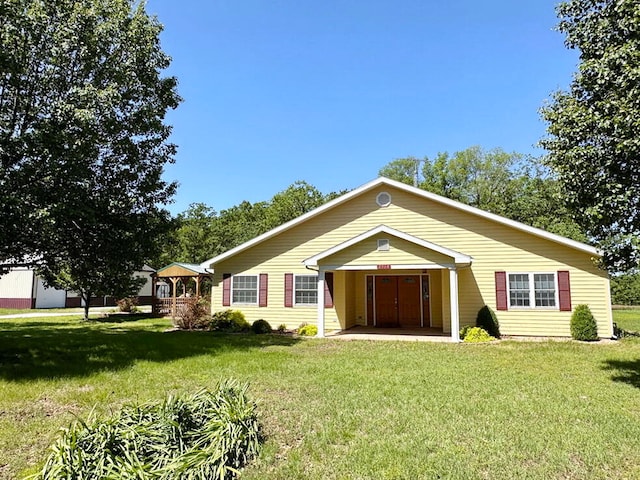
21 287
390 255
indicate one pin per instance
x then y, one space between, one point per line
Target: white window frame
257 277
532 292
295 302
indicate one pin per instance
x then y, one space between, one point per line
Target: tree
403 170
625 289
479 178
83 142
507 184
593 143
296 200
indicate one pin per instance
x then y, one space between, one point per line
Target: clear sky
330 91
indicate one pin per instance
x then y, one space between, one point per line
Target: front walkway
397 334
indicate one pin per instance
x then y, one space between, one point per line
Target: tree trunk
86 298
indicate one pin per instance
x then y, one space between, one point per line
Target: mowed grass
628 319
336 409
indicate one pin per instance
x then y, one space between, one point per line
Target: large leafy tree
508 184
594 128
83 142
201 233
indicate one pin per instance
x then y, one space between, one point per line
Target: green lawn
336 409
628 319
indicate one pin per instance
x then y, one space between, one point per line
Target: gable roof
184 269
457 256
382 181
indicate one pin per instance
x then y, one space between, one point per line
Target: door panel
409 301
386 301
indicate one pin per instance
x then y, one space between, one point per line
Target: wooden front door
397 301
386 301
409 311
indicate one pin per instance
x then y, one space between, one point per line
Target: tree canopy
593 128
83 142
507 184
202 233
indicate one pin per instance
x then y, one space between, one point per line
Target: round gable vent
383 199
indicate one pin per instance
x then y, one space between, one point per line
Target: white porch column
453 297
320 303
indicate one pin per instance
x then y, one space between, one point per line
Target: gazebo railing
165 306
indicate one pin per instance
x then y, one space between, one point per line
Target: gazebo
178 274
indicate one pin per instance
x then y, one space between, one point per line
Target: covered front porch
387 280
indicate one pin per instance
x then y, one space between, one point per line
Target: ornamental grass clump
210 434
583 325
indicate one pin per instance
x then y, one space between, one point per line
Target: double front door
401 301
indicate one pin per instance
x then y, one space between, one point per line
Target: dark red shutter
288 289
501 291
328 290
564 291
264 282
226 289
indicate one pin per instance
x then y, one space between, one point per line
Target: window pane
245 289
545 289
519 295
306 290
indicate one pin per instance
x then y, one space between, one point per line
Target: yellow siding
494 247
400 252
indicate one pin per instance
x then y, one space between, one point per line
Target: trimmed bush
488 321
308 330
193 314
127 304
230 321
210 434
477 335
583 325
261 326
282 328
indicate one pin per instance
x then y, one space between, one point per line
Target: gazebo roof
178 269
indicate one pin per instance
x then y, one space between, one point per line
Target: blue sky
330 91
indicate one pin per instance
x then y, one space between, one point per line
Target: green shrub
210 434
583 325
128 304
229 321
193 314
261 326
464 330
282 328
488 321
307 330
477 334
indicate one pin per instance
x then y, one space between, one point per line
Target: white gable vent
383 199
383 244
